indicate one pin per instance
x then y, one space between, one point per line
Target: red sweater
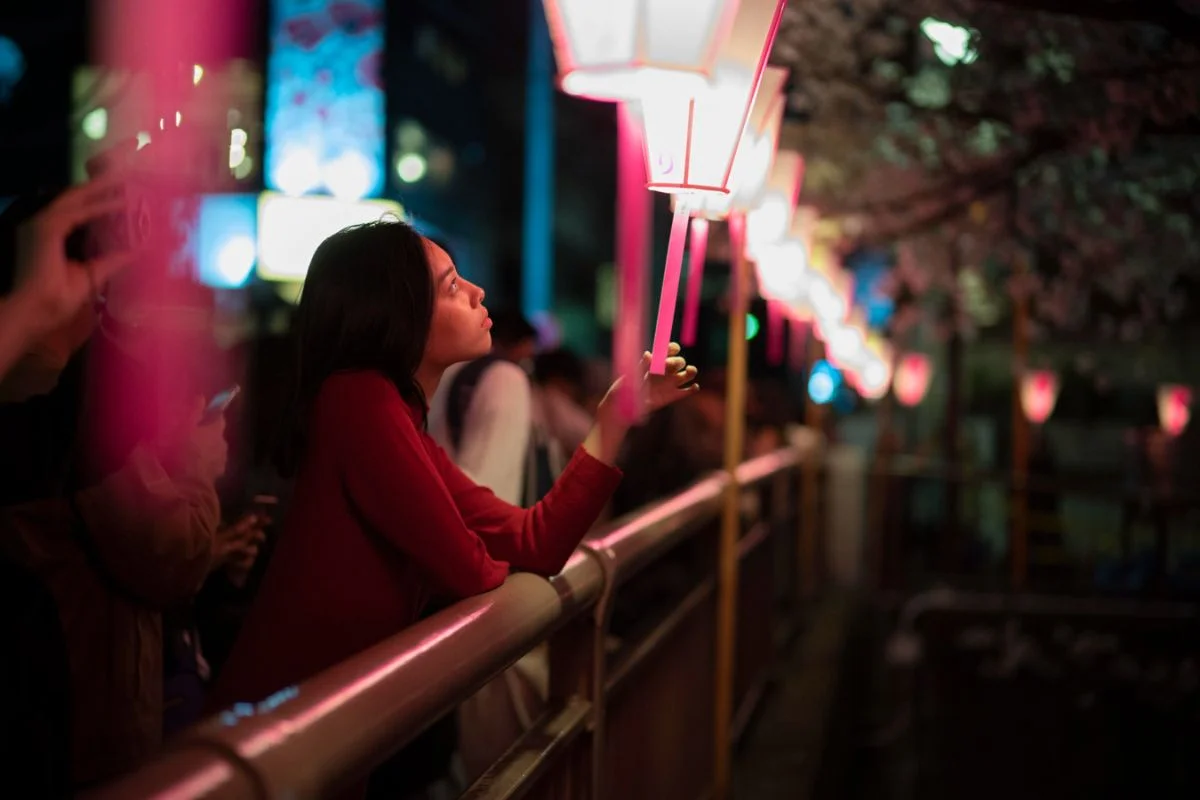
381 518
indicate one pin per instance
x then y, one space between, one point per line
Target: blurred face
461 328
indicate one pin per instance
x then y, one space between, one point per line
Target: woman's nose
479 295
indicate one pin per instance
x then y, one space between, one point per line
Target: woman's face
461 327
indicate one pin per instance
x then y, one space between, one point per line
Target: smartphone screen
220 401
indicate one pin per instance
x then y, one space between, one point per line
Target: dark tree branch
1165 14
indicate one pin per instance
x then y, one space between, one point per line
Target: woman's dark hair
367 304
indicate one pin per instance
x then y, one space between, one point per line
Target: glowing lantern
1039 392
873 377
783 272
829 294
755 154
692 138
692 141
629 49
1174 408
912 378
771 220
845 342
751 167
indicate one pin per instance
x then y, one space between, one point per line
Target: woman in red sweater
381 519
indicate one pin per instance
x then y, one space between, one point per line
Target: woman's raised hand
678 382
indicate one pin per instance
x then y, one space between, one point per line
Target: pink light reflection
287 725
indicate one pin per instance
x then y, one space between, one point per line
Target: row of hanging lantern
696 71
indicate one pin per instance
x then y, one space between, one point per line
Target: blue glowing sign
225 239
12 67
325 102
870 270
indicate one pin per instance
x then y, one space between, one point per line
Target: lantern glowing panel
691 142
751 168
629 49
783 271
912 378
755 154
771 219
1039 392
1174 408
692 139
873 376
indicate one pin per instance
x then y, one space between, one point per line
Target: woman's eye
453 285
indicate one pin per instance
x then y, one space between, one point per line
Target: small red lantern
1039 393
912 378
1174 408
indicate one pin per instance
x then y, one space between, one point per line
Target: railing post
727 552
575 672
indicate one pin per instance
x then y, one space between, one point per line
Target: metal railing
632 719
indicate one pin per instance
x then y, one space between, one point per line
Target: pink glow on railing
633 221
697 252
670 290
272 735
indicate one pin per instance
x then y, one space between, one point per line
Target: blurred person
493 422
482 415
677 446
560 394
133 529
381 520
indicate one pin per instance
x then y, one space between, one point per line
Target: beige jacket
148 546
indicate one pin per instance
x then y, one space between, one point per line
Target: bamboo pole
727 552
1019 544
810 484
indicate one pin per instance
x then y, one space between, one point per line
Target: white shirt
494 441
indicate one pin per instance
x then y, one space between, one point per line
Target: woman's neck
428 378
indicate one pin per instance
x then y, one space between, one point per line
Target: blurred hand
54 286
197 448
236 546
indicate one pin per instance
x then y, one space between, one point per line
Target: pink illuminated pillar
633 222
670 289
160 43
698 247
797 347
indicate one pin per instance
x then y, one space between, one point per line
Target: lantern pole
1020 499
879 513
727 552
811 481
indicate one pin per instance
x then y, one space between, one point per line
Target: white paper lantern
628 49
